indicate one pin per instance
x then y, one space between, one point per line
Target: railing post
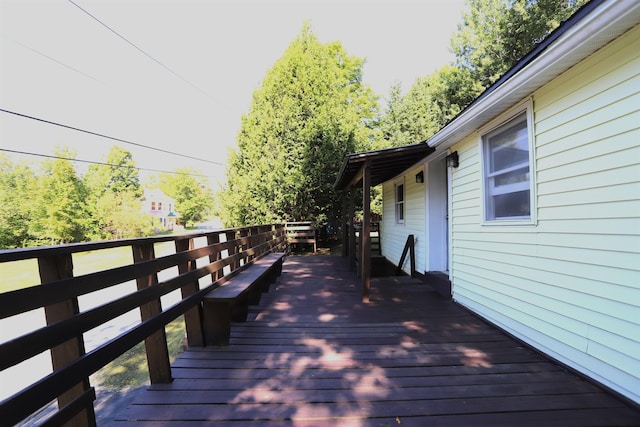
212 239
53 268
409 247
156 343
193 316
242 233
233 249
254 240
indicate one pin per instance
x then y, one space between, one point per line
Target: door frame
437 210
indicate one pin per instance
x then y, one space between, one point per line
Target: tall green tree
113 198
311 109
193 196
119 215
17 182
118 174
60 214
492 37
428 105
495 34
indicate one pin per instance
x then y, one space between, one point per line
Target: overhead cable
124 141
141 50
49 156
54 60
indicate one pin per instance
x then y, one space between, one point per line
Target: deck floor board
313 354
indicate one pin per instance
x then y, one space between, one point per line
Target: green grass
130 369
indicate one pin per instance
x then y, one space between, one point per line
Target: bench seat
230 301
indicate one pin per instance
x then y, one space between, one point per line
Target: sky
177 75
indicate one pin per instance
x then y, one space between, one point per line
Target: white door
437 227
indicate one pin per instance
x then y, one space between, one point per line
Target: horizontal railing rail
301 232
225 253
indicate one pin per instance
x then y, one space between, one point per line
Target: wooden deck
314 355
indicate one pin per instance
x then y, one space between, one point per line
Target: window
159 206
153 205
507 171
399 194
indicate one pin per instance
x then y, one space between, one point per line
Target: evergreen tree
495 34
492 37
60 211
17 182
311 110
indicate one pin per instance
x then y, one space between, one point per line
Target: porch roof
385 164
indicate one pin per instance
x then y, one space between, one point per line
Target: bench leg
217 322
255 292
240 309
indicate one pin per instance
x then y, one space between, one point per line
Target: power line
54 60
109 137
49 156
141 50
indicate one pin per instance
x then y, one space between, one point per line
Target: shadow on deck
314 355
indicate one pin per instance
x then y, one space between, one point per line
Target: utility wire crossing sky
169 81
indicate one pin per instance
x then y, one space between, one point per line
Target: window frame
399 204
501 124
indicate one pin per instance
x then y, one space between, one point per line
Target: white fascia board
603 25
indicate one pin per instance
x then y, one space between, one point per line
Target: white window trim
404 201
525 107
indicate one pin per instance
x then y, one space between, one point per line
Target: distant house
529 200
162 207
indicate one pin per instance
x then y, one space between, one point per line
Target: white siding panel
394 236
390 235
569 284
606 106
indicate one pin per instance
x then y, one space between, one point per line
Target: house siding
569 284
394 236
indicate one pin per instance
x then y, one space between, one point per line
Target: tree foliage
118 174
495 34
16 181
492 37
428 105
113 193
194 199
52 204
310 111
59 209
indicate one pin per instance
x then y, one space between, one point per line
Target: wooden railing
374 239
410 248
223 254
302 232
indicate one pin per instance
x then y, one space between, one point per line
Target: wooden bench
230 301
301 232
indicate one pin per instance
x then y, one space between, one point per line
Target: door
437 226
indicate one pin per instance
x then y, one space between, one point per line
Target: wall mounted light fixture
452 160
420 177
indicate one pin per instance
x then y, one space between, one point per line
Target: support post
156 344
344 224
53 268
365 232
352 230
